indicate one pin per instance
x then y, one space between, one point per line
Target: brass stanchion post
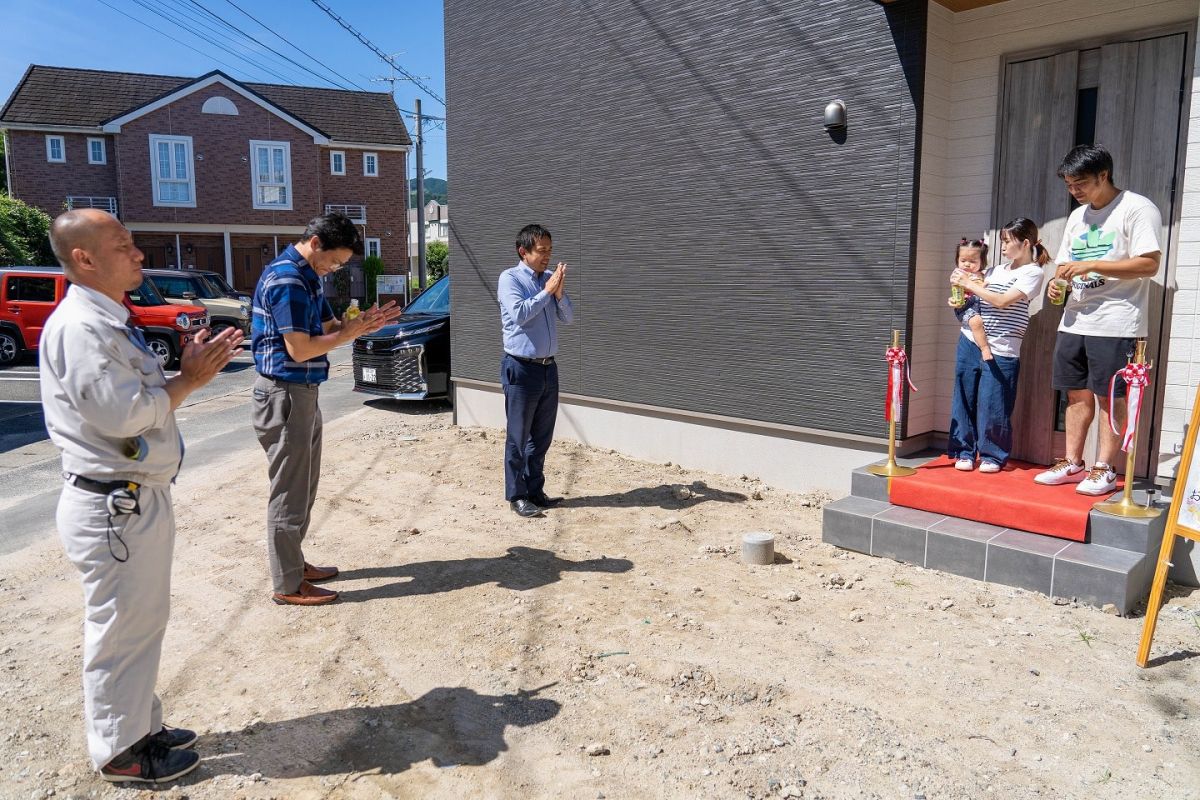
1125 507
891 469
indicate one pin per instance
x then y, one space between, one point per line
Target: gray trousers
287 420
126 606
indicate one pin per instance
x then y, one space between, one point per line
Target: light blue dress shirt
529 314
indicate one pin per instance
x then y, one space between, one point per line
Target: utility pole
420 199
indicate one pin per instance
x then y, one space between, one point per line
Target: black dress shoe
544 501
524 508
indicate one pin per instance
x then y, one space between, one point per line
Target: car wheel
8 348
216 328
162 350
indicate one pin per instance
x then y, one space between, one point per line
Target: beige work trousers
126 606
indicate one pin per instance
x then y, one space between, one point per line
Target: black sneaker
153 763
175 738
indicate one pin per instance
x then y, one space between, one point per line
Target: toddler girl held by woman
985 391
969 260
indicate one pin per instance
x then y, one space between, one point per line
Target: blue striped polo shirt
288 299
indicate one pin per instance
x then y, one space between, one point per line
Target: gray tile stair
872 487
1114 566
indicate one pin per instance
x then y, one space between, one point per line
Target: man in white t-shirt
1110 250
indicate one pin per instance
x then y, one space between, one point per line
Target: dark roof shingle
88 98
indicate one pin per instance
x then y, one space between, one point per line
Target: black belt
529 360
99 487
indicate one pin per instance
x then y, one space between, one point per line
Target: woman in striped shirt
986 391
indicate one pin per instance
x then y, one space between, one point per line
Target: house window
56 149
171 164
272 171
96 151
337 162
372 248
371 165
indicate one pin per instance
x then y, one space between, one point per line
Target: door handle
14 310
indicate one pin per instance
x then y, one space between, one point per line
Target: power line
163 33
384 56
221 34
290 60
290 44
176 21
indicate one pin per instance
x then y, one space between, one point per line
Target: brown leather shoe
317 574
306 595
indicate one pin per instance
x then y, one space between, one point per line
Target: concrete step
1114 566
1124 533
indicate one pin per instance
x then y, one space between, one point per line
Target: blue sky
95 35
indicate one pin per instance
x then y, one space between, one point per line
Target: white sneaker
964 464
989 466
1061 471
1101 480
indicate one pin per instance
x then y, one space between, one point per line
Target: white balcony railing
357 214
108 204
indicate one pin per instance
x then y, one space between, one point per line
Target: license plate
369 375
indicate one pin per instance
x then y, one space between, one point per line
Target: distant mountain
435 189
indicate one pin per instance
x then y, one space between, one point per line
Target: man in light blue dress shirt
532 303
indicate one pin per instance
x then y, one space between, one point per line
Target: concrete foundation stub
758 547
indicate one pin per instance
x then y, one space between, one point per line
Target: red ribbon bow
1137 377
898 375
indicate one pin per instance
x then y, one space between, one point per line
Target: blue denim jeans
981 411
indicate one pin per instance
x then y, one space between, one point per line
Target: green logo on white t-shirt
1091 245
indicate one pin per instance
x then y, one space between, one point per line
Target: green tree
24 234
437 260
372 269
435 189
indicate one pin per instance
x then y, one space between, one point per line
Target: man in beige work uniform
111 411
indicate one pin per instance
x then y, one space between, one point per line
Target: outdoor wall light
199 156
835 116
187 248
266 250
170 248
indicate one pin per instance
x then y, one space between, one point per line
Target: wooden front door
1126 96
206 258
156 258
248 263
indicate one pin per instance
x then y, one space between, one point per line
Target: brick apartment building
209 172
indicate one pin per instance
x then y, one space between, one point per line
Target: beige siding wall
1183 373
959 139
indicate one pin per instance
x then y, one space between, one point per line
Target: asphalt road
215 422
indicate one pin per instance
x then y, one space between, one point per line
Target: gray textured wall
722 245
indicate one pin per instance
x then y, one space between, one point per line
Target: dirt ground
615 649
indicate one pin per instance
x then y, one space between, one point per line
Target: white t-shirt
1127 227
1005 327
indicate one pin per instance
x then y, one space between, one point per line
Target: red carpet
1009 498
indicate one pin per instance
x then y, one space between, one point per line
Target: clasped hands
370 320
204 356
554 285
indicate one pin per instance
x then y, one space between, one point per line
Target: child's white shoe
989 466
964 464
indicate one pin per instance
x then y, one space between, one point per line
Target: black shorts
1089 362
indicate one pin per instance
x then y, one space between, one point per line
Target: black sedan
409 359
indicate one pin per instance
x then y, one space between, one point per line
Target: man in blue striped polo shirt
292 331
532 303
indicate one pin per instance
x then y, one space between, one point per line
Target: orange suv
29 294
